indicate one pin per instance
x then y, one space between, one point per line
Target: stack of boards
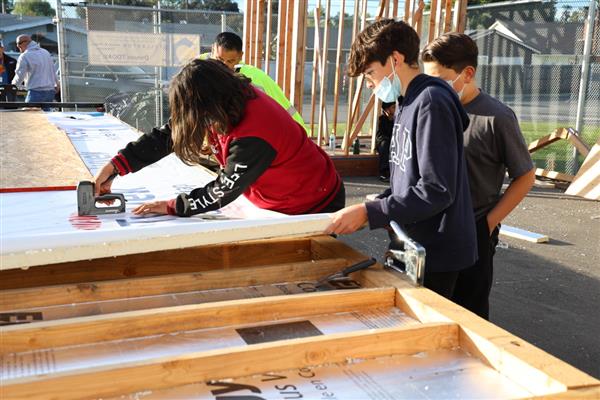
240 318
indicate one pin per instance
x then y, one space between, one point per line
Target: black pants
470 287
338 202
474 284
383 149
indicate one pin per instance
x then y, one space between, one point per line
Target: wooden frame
290 60
568 134
440 324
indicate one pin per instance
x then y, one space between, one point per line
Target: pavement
545 293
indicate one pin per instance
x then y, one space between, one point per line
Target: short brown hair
205 95
452 50
377 42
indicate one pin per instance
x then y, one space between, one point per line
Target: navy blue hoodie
429 194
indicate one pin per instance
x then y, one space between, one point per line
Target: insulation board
44 228
443 374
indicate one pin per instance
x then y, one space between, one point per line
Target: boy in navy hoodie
429 193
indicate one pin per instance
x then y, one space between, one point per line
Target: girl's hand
153 207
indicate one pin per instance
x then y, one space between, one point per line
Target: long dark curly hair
205 95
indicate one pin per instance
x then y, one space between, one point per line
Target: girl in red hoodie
263 152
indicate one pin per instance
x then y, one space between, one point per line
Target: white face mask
451 83
389 91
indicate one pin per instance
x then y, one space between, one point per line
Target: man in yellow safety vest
227 48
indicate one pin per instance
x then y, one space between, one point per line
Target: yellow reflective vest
263 82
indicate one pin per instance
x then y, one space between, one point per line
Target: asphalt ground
545 293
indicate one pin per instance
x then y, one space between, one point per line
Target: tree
7 6
33 8
218 5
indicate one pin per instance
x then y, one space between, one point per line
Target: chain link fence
125 56
531 58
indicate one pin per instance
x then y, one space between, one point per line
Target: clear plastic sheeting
31 363
44 227
444 374
74 310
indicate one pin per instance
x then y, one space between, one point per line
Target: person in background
494 145
263 152
36 69
429 192
383 138
7 66
227 48
7 72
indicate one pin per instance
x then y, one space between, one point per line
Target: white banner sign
150 49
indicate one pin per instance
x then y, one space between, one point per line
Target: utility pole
585 76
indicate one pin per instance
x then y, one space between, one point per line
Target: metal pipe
62 65
583 83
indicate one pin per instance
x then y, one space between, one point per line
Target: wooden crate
435 324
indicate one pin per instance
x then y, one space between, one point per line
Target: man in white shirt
36 68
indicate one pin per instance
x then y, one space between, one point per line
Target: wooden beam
510 355
418 19
407 11
587 181
461 24
559 176
338 59
260 29
234 362
323 128
298 54
316 68
268 36
247 31
19 299
251 8
579 144
359 124
132 324
188 260
439 24
432 21
281 29
395 9
523 234
448 16
351 82
289 33
559 133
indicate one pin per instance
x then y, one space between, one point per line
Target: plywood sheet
587 180
36 155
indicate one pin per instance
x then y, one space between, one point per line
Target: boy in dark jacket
429 194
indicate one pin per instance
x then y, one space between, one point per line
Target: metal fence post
62 53
157 71
223 22
585 72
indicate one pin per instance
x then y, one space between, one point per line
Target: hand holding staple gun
104 178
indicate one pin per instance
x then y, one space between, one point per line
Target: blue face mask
389 91
452 82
